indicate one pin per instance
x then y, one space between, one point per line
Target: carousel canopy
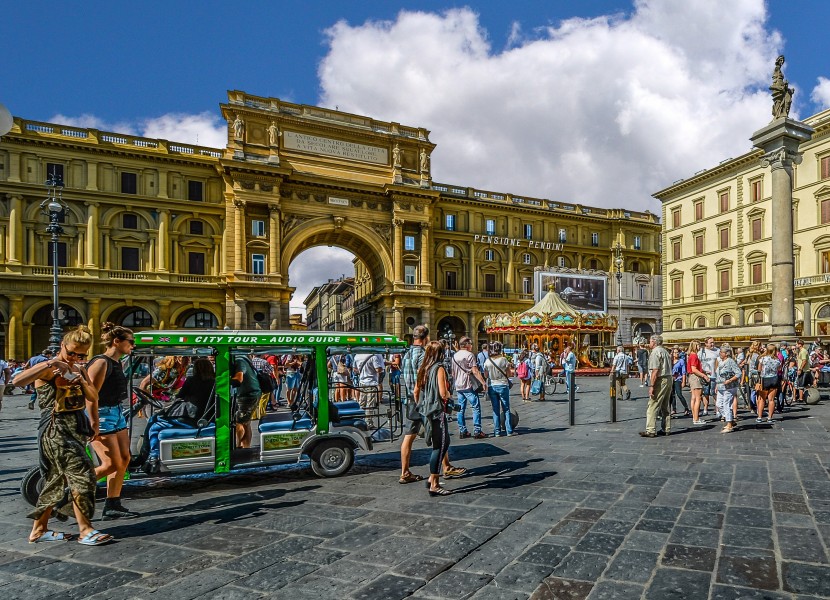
550 315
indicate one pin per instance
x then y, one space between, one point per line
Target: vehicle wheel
788 396
31 485
332 458
550 386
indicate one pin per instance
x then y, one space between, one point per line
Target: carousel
551 323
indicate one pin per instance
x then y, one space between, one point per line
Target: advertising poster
585 293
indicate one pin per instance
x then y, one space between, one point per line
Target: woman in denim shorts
113 445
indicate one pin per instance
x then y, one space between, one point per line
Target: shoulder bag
509 381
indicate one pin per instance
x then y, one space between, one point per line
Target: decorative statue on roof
782 93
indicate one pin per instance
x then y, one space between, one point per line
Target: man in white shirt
619 372
368 368
464 370
708 355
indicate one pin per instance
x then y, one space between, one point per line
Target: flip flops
95 538
52 536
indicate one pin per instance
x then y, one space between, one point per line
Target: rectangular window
724 201
54 169
724 238
197 227
61 255
129 183
195 190
675 250
129 221
642 292
698 285
450 223
698 211
451 280
489 282
638 242
757 229
526 258
527 285
258 228
698 245
196 263
489 255
258 264
724 281
825 262
563 236
528 231
129 259
825 212
757 273
409 274
675 217
675 288
409 242
490 226
595 239
449 252
825 167
755 191
560 261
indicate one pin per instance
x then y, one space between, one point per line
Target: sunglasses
75 354
131 340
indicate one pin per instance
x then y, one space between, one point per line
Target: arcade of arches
161 234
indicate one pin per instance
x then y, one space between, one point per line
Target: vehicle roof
202 337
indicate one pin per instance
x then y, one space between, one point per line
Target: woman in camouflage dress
68 473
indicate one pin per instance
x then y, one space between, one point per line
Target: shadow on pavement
498 476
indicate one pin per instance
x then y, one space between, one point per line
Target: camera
453 406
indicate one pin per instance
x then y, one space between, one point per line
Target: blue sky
597 102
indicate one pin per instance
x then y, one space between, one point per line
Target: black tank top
114 389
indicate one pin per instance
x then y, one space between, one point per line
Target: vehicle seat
344 411
177 433
284 426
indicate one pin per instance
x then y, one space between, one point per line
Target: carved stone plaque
316 144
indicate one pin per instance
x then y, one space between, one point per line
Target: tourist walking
708 355
539 364
769 366
524 371
498 372
112 446
642 364
468 382
659 390
753 355
678 372
432 395
63 391
727 378
696 379
620 366
569 367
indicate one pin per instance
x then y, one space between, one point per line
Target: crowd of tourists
761 379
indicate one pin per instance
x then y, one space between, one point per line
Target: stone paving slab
586 512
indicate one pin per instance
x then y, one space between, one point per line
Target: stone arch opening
42 323
450 328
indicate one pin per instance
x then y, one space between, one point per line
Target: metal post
613 382
571 377
53 207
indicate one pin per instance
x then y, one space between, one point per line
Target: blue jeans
500 398
155 429
465 397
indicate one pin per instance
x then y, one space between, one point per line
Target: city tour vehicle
326 433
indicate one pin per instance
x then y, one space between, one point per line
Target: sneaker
480 435
705 413
648 434
770 420
699 422
512 433
464 435
759 420
116 510
577 389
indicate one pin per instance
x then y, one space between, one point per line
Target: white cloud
821 93
314 267
203 129
601 111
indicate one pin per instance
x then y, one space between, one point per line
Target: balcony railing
753 289
814 280
452 293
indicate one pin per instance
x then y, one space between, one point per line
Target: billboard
585 293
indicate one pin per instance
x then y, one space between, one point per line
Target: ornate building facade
168 235
718 241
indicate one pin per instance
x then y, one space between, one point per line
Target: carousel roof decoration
549 315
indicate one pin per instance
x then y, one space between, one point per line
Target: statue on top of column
273 134
238 127
424 162
782 93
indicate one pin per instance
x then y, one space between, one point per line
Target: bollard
613 397
571 377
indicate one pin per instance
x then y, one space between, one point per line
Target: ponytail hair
80 335
111 332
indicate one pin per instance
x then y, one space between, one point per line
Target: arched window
700 322
71 317
449 252
823 312
758 316
726 320
200 319
634 267
677 324
137 318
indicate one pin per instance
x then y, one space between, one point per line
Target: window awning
747 333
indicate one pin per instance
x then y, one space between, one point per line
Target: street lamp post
54 207
618 262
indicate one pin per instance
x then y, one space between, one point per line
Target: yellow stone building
718 246
170 235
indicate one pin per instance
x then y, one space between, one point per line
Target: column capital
14 197
424 226
92 204
781 158
239 203
397 222
274 209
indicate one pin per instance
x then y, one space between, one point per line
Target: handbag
768 382
475 384
69 398
536 387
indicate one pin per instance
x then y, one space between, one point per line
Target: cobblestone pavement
593 511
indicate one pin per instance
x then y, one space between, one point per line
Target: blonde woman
67 401
696 378
769 366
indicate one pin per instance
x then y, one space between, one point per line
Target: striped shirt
412 361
